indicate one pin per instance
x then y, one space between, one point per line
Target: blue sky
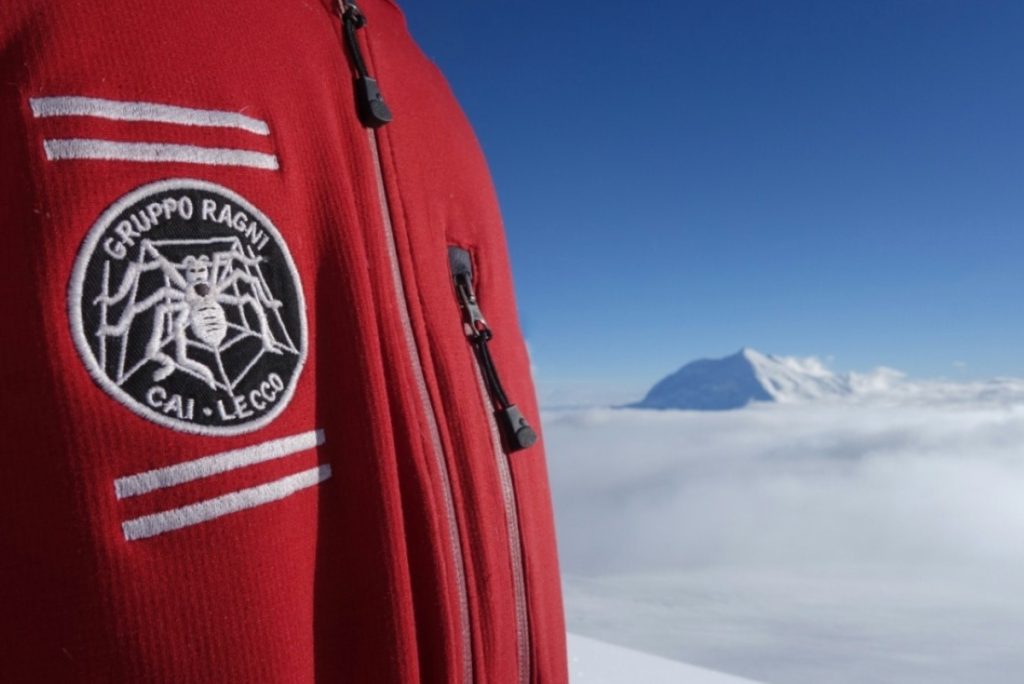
680 179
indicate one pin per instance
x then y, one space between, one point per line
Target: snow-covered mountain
747 376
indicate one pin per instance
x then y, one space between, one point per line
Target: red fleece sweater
267 413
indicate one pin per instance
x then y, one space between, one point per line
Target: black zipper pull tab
373 110
515 429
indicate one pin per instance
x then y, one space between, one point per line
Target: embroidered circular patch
186 307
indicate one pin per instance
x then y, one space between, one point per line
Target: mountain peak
744 377
751 354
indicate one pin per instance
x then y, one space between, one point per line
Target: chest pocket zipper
510 432
516 432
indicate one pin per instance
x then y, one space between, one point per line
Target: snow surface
597 662
750 376
872 537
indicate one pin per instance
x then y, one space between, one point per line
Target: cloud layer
876 539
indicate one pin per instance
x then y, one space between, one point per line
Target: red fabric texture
351 580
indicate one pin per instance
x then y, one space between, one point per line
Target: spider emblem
193 300
186 307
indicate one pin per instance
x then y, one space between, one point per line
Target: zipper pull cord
373 110
511 422
480 334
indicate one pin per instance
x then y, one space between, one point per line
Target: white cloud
876 539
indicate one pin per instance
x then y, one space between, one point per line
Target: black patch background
275 271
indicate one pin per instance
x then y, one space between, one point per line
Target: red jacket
266 407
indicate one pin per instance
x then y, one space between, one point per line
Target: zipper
374 112
514 428
510 432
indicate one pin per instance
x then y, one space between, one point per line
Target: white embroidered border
179 473
77 282
117 110
86 148
209 509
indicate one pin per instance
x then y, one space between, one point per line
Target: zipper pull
476 324
373 110
517 430
512 424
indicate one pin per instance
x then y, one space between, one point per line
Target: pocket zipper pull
373 110
518 432
515 429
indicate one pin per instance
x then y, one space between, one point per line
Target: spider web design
240 323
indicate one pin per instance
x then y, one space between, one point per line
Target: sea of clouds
878 538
